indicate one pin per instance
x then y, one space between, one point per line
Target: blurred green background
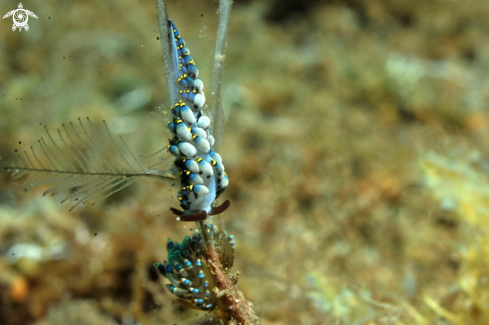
356 145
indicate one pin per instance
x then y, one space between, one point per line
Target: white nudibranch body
199 169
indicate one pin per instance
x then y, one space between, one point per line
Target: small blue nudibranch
188 272
200 170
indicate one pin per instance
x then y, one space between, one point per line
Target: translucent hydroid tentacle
79 162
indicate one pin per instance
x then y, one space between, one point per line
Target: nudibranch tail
198 167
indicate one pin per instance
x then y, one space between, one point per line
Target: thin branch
219 56
171 71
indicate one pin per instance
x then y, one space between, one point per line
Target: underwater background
356 143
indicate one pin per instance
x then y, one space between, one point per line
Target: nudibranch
198 167
188 271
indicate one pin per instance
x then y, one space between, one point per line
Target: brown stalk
238 311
